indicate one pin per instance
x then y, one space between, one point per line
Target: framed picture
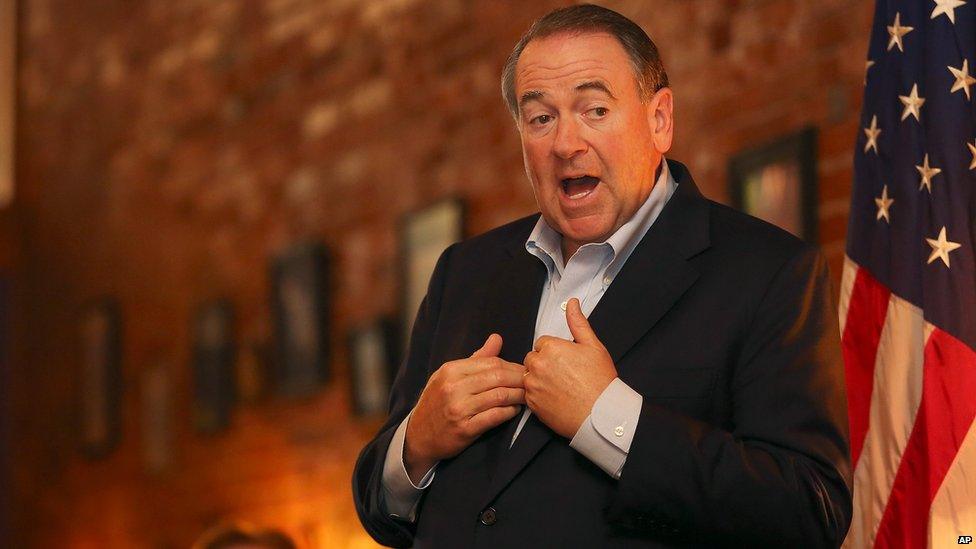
157 419
213 366
301 308
100 379
778 183
424 235
8 94
372 365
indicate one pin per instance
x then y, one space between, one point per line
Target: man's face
590 145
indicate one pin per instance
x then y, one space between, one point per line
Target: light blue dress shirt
606 435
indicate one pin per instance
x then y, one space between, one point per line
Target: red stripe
865 319
944 416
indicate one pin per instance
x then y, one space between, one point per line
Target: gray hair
586 18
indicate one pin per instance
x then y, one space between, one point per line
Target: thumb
492 346
579 326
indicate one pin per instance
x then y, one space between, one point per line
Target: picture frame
372 366
777 182
214 388
100 377
301 309
424 235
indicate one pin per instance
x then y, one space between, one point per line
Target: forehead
568 58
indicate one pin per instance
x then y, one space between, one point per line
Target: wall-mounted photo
372 364
301 308
100 379
424 234
213 366
777 182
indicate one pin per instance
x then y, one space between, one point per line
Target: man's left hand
564 378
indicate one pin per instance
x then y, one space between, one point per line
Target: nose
568 141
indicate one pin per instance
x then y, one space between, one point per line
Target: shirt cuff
605 435
400 494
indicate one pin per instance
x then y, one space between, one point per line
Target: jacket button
488 516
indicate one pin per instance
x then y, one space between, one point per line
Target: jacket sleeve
367 481
781 475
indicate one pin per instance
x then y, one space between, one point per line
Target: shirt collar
545 242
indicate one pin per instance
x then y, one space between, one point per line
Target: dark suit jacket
722 322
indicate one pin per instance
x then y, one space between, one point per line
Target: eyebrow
599 85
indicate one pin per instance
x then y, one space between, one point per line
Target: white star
927 174
867 67
913 103
948 7
972 150
884 203
872 134
941 248
963 80
897 31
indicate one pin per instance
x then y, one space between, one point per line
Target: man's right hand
462 399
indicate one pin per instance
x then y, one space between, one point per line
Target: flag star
896 31
913 104
963 80
884 203
948 7
941 247
927 174
872 134
972 150
867 67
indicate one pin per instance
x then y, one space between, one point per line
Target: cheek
535 152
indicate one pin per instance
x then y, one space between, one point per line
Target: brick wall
169 148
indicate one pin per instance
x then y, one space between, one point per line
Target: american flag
908 297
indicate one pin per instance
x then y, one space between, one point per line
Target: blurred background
214 215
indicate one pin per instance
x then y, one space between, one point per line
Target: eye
599 112
541 119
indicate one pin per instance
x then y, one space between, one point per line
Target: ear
660 118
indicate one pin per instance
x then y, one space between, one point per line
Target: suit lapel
513 305
655 276
657 273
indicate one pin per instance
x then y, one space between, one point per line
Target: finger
492 346
579 326
545 341
489 379
476 365
493 398
492 417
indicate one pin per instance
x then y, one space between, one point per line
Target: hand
563 378
462 399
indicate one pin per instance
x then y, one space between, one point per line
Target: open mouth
579 187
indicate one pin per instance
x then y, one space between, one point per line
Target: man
638 366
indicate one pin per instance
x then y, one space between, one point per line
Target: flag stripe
944 417
953 511
866 313
848 275
895 397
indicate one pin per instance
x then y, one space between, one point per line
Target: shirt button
488 516
618 430
606 281
563 305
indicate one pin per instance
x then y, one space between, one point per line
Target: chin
584 234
